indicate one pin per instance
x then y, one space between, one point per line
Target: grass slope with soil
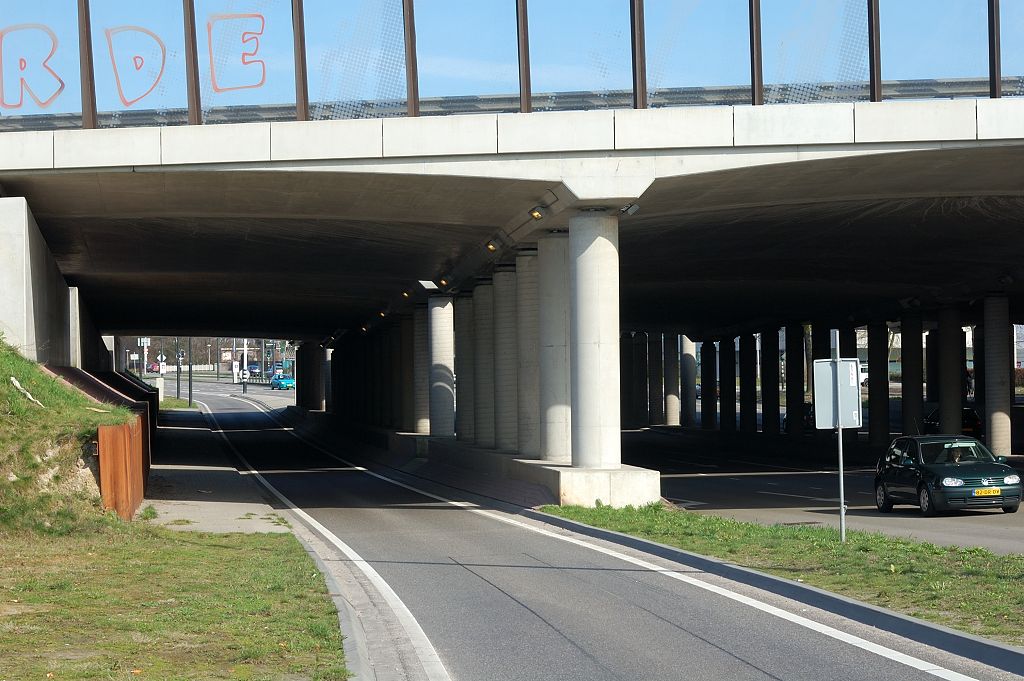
86 596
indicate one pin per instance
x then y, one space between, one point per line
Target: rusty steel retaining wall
123 466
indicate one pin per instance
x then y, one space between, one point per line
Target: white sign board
832 408
134 357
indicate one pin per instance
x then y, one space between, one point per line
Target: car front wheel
924 498
882 500
1011 509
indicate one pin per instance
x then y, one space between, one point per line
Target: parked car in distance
970 423
254 369
942 473
282 382
154 367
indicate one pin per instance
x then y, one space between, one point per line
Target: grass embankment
175 403
85 596
970 589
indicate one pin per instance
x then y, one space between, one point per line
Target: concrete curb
357 656
992 653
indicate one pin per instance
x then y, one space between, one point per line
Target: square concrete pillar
655 379
727 384
748 383
770 417
794 379
708 385
912 379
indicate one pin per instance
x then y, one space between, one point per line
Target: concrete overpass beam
421 370
464 395
951 373
528 341
688 381
553 329
483 364
748 383
912 380
770 381
670 351
594 334
506 362
655 379
708 385
441 311
794 379
878 384
727 384
998 373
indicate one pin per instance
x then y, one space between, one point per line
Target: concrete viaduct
520 286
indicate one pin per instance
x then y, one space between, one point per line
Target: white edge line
428 657
824 629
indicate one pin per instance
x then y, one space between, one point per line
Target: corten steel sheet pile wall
122 473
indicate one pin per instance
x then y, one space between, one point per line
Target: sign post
837 406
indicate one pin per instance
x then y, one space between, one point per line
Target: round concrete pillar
912 379
688 381
727 384
441 311
594 339
528 341
708 385
951 373
555 409
464 401
655 379
483 364
421 371
878 384
794 379
748 383
770 381
998 372
670 352
506 362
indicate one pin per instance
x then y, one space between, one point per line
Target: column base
618 487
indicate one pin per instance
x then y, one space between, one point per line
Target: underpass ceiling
305 253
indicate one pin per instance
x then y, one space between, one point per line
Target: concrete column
483 364
848 348
670 352
441 311
727 384
979 364
594 334
421 370
311 391
770 381
878 384
464 400
627 358
506 362
708 385
376 366
821 348
912 379
328 374
528 341
998 373
386 389
950 372
688 381
794 379
395 352
642 413
931 368
555 409
748 383
655 379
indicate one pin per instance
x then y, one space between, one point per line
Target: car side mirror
907 461
1001 459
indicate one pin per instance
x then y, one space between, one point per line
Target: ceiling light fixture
491 246
538 212
630 209
443 282
406 294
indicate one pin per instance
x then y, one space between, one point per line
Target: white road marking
824 629
432 665
799 496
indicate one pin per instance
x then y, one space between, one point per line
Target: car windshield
957 451
283 377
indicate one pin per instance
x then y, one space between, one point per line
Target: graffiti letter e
18 45
228 28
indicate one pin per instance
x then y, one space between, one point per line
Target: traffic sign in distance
245 373
161 357
837 408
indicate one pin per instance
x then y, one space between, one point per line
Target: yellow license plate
988 492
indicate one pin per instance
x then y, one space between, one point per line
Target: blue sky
469 48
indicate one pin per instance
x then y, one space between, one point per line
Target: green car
943 473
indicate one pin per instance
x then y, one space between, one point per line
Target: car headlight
1011 479
952 482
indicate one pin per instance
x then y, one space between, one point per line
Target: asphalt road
499 600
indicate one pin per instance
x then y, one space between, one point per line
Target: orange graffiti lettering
251 38
57 83
138 61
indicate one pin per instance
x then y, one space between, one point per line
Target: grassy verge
144 602
175 403
970 589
